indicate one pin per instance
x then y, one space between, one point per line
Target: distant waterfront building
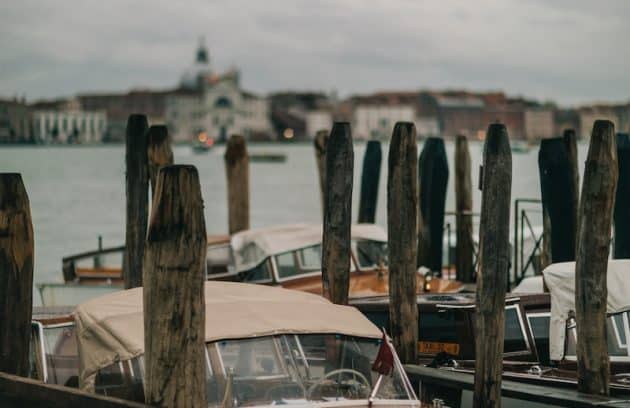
215 105
539 123
377 121
64 121
461 114
15 121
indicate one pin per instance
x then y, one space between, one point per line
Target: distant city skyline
571 52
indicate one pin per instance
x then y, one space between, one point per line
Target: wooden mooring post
137 187
591 292
433 173
319 143
237 172
174 303
622 199
557 185
159 152
16 275
402 212
494 263
337 214
464 206
370 177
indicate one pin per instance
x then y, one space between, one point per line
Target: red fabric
384 363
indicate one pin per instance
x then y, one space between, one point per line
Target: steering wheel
335 372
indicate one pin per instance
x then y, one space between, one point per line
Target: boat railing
526 243
526 259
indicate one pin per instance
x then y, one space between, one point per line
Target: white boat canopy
560 279
110 328
253 246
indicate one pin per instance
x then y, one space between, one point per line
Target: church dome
194 75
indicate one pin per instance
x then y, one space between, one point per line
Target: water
78 193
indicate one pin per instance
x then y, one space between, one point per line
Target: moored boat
285 255
264 346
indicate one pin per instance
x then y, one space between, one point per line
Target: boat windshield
299 368
368 254
618 329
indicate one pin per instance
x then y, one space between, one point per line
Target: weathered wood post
402 212
433 173
493 268
159 152
337 214
320 142
570 143
16 275
622 200
558 194
370 178
464 207
137 199
174 303
237 171
591 292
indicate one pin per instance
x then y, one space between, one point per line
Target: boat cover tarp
560 279
110 328
253 246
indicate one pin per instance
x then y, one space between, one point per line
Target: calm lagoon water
78 193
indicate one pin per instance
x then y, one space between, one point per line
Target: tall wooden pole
237 171
464 207
174 303
320 142
159 152
433 173
558 195
337 214
370 178
402 212
591 292
16 275
137 199
622 199
570 142
493 268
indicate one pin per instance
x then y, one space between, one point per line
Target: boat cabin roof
252 246
110 328
560 280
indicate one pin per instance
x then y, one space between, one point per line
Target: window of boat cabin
54 357
301 261
515 336
539 323
516 341
370 253
123 379
261 273
618 329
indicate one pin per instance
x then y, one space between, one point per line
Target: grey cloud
570 51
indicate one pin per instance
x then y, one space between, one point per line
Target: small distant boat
267 157
202 143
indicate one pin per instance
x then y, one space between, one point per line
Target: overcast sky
573 51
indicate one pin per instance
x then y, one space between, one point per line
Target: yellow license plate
432 347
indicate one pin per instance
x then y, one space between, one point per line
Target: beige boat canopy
253 246
110 328
560 279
